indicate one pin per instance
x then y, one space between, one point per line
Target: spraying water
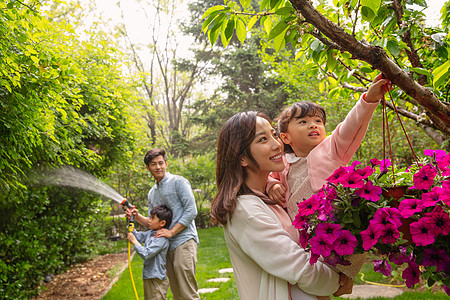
69 176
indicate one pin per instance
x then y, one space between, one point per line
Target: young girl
267 261
311 157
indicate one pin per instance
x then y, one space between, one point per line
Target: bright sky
134 16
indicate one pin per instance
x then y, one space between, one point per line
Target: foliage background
85 95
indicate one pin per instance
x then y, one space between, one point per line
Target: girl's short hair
306 108
233 144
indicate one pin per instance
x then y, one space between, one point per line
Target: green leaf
252 22
366 70
284 11
274 3
374 5
278 29
208 21
331 61
264 4
279 40
230 28
422 71
440 73
367 13
212 9
267 24
393 48
241 32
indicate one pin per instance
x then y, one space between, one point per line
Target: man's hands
346 285
164 232
276 193
377 89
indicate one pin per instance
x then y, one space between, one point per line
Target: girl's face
266 148
303 134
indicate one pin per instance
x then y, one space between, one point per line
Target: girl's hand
276 193
378 89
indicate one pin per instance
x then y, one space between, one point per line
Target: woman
267 261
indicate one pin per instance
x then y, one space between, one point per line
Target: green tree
350 40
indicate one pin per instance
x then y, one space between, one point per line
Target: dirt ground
89 280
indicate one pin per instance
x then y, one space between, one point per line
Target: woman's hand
346 285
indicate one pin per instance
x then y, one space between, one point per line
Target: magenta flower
399 257
309 206
304 236
431 198
435 257
385 164
438 221
370 237
335 177
421 234
369 192
386 215
411 274
313 259
299 221
409 207
335 259
447 289
389 234
352 180
423 179
382 266
346 243
375 162
366 172
321 245
331 230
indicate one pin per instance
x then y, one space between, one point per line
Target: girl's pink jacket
334 151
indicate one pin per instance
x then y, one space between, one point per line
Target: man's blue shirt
175 191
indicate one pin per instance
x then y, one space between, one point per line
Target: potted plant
351 215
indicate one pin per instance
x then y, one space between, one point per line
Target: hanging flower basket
361 210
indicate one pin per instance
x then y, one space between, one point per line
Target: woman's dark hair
163 212
151 154
306 108
234 143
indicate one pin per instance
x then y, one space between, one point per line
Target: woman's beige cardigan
265 258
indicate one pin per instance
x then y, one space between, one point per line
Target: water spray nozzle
125 203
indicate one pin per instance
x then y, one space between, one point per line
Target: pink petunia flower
375 162
382 266
400 256
346 243
409 207
299 221
435 257
369 192
366 172
386 215
423 179
313 259
389 234
335 177
309 206
304 236
438 154
370 237
331 230
431 198
438 221
321 245
385 164
420 232
411 274
352 180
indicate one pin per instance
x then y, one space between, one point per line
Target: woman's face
266 149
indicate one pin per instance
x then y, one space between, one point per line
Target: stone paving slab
207 290
366 291
220 279
226 270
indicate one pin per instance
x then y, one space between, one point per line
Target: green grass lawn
213 255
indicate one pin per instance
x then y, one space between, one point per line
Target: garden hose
125 203
382 284
130 229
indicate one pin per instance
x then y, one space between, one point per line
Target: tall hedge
63 101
